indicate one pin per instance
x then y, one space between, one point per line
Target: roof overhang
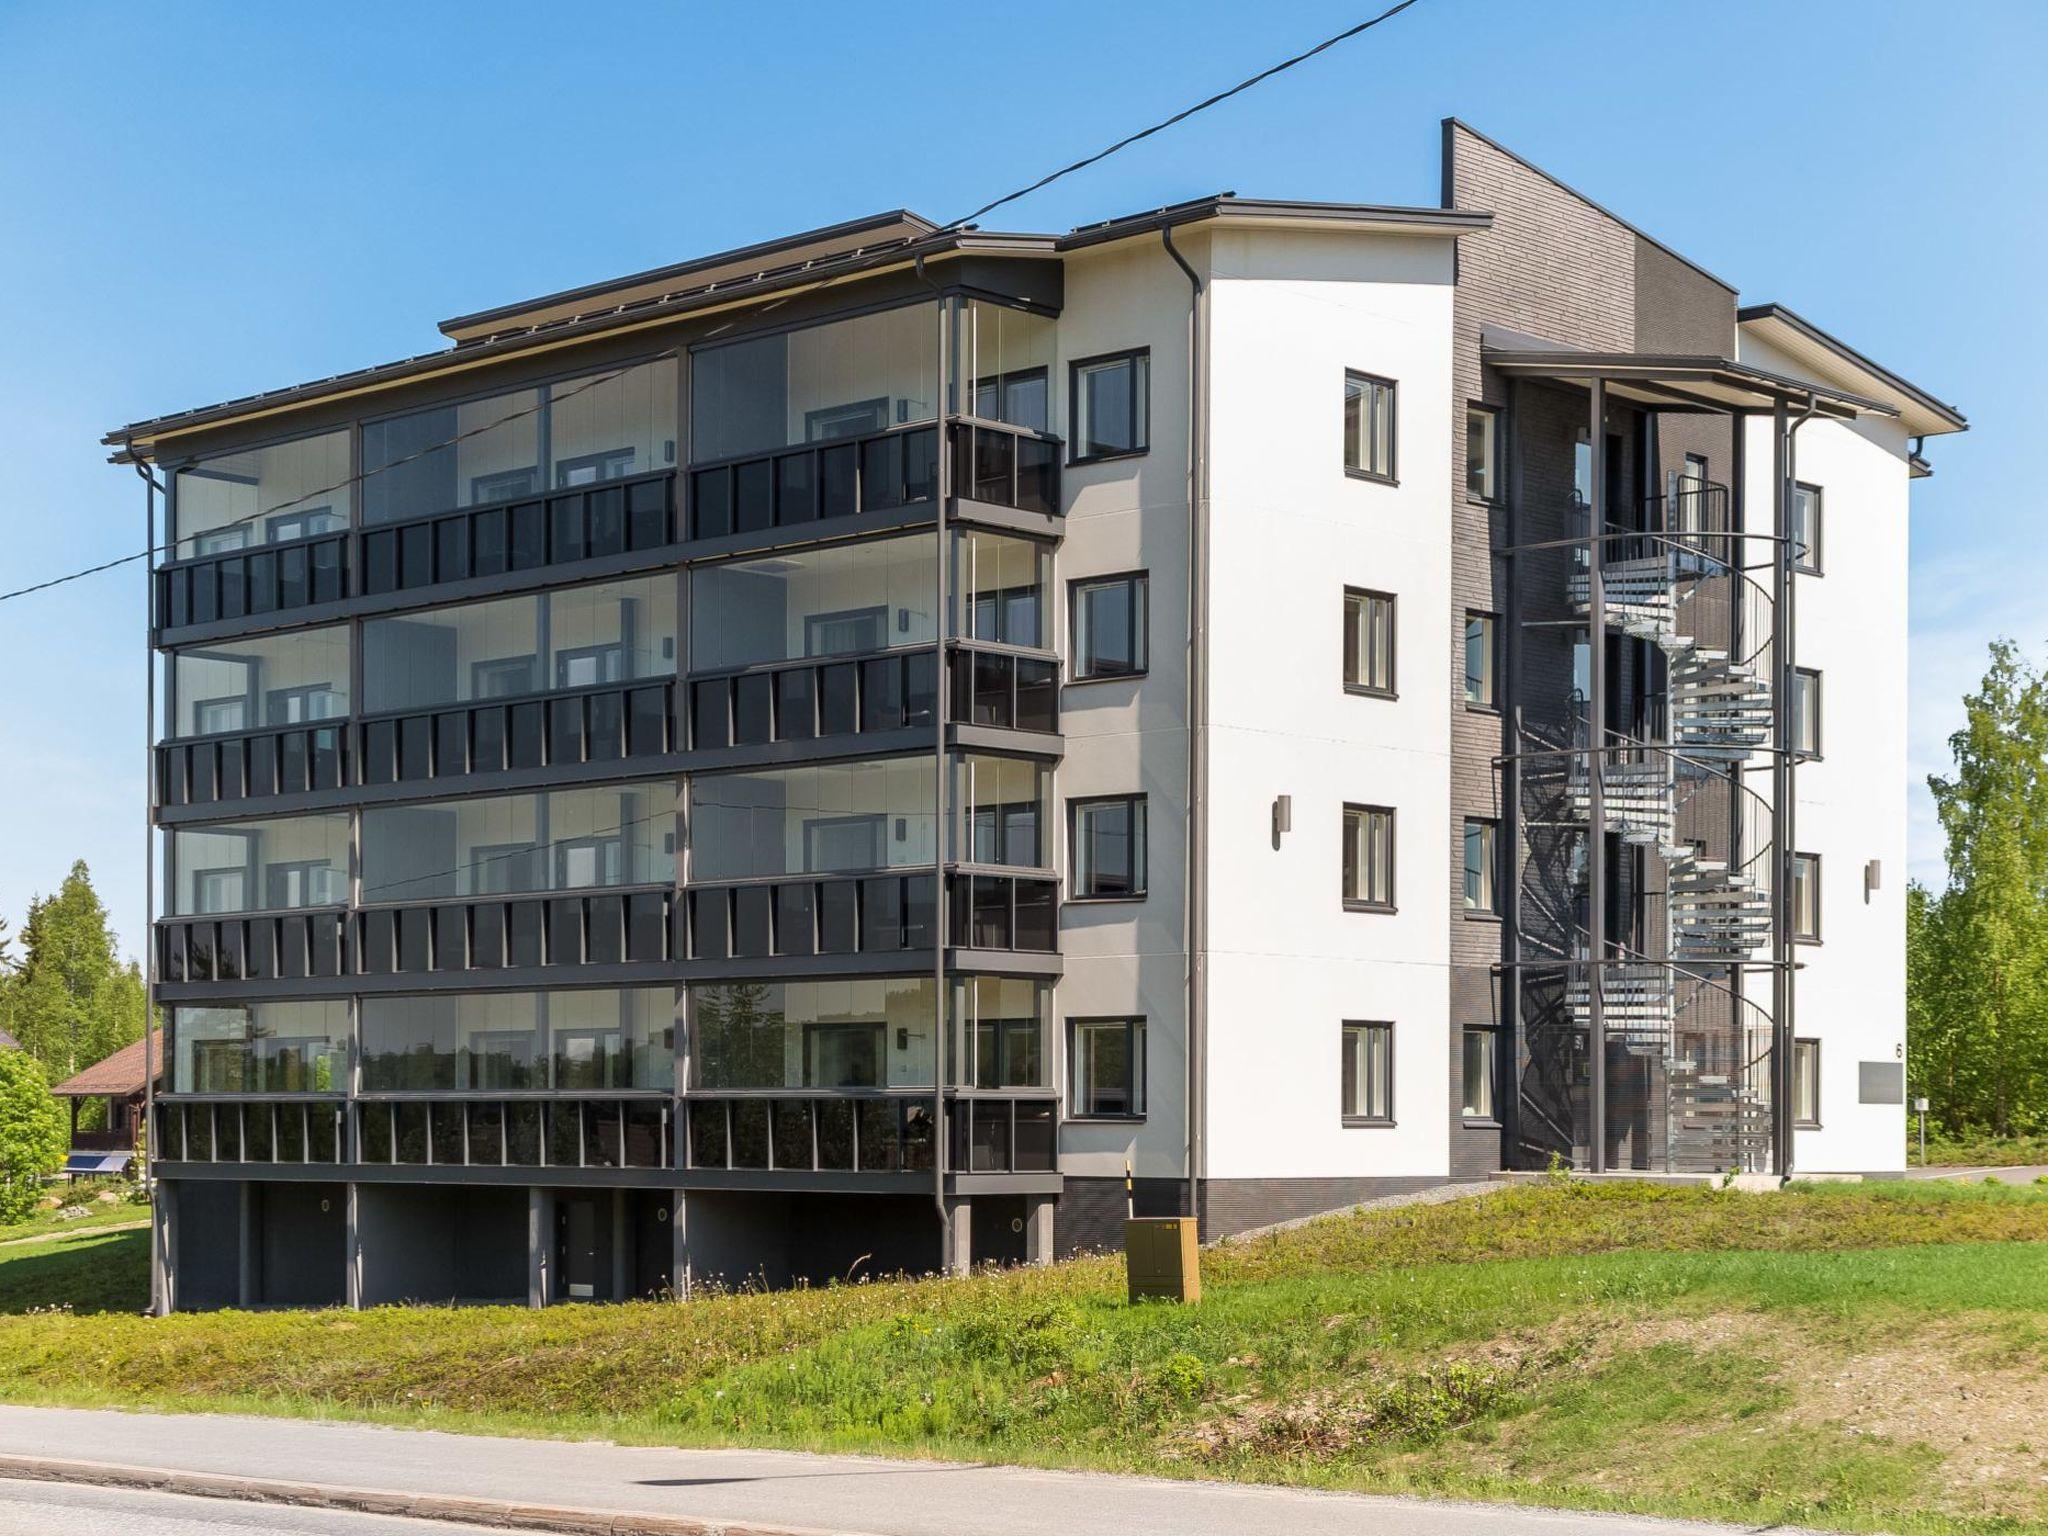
1275 213
1831 358
1679 382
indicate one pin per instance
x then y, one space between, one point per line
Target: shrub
33 1136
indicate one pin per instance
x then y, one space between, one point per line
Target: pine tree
71 1001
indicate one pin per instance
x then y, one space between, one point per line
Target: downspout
941 822
1785 806
157 1257
1196 919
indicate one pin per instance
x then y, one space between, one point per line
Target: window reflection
826 602
570 839
263 496
866 1032
298 1047
241 685
275 864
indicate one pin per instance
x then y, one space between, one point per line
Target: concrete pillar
246 1283
1038 1242
622 1238
352 1249
540 1237
164 1212
679 1245
956 1255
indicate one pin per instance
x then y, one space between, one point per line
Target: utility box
1162 1258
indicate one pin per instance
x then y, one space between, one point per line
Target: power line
1182 116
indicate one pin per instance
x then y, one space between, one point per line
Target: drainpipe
157 1257
1596 772
1784 790
1196 919
941 821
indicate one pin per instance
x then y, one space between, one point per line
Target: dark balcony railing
609 724
252 765
262 946
558 1131
815 482
1018 693
519 932
1006 466
811 1132
1019 912
308 1129
244 583
816 915
800 701
589 523
1002 1135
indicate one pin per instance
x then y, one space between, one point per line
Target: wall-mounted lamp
1873 878
1283 816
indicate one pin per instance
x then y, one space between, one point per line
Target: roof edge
1751 314
1228 205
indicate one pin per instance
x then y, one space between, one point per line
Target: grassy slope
1759 1358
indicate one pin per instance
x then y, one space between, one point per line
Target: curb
503 1513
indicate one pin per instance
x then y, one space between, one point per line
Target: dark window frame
1491 1116
1391 475
1802 1045
1141 419
1489 824
1809 563
1141 642
1368 690
1141 837
1491 704
1499 416
1800 935
1366 1121
1140 1060
1805 722
1367 903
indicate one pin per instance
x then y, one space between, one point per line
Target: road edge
503 1513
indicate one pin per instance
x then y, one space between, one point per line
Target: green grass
1860 1357
86 1272
1979 1150
84 1193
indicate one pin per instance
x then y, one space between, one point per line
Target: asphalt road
37 1509
821 1493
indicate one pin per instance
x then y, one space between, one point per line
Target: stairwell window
1481 1064
1112 400
1367 1074
1368 426
1806 736
1482 688
1107 1069
1368 858
1482 452
1482 855
1110 622
1805 529
1369 642
1806 898
1806 1084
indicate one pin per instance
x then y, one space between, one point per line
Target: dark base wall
1089 1217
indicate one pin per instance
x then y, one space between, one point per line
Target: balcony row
795 918
873 1132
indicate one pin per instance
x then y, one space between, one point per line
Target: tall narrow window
1369 858
1369 642
1368 1074
1481 687
1806 897
1481 852
1482 452
1806 736
1109 849
1112 403
1107 1058
1805 529
1806 1083
1109 626
1368 426
1481 1064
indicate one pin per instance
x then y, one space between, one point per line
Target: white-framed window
1482 686
1369 858
1482 452
1806 1083
1367 1073
1806 897
1369 426
1369 642
1106 1062
1481 1068
1482 856
1806 732
1805 531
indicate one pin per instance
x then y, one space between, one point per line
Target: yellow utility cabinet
1162 1257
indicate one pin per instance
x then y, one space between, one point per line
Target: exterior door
576 1246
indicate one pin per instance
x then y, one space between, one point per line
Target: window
1806 736
1368 1074
1109 626
1112 406
1482 452
1109 849
1806 1083
1368 426
1805 529
1806 897
1482 690
1108 1068
1481 1062
1369 857
1369 642
1481 866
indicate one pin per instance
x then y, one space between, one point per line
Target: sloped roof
120 1075
8 1042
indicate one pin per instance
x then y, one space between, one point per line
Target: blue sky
198 205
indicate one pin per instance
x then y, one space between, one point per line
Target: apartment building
824 758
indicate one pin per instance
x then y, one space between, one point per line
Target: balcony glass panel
1006 357
600 427
841 379
826 602
257 866
263 496
563 840
819 819
1002 1026
865 1032
1000 585
245 685
519 1042
1001 806
299 1047
615 631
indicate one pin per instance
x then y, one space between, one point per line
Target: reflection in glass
262 496
570 1041
299 1047
827 602
245 685
1001 584
258 866
561 840
819 819
865 1032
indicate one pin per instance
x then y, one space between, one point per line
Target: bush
33 1135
